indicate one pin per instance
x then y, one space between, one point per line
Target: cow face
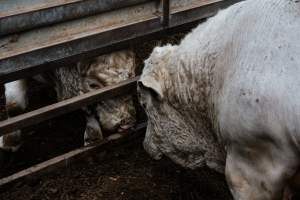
169 130
148 100
119 113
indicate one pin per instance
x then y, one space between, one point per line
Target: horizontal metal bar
54 110
66 160
52 47
21 15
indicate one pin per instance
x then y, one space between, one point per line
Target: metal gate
39 35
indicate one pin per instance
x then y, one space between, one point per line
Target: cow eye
144 105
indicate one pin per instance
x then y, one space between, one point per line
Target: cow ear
150 84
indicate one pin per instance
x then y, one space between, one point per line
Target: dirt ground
126 172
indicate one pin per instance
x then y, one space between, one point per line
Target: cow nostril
125 125
144 105
123 122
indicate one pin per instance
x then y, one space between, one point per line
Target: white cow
113 115
228 97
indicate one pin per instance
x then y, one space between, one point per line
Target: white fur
15 94
16 100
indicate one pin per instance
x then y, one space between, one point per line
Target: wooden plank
54 110
65 160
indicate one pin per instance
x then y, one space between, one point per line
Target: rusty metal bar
29 59
54 110
22 15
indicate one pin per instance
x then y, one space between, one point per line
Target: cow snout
117 124
126 124
14 108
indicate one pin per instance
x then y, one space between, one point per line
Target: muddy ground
125 172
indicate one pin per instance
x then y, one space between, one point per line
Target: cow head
168 131
118 113
175 127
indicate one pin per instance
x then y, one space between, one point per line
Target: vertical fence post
3 112
166 12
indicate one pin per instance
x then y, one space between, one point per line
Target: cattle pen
37 36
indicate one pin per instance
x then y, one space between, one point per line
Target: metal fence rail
22 15
34 51
54 110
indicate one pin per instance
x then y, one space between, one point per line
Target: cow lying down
113 115
228 97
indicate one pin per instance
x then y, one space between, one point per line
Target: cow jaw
149 144
167 133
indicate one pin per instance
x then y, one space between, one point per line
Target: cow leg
255 175
12 98
292 191
11 142
93 133
16 101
